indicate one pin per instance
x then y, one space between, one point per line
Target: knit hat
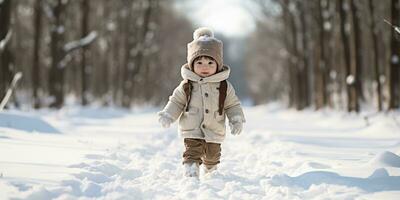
205 44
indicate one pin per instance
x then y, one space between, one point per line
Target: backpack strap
222 95
187 87
223 86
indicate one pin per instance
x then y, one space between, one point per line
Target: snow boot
209 168
191 169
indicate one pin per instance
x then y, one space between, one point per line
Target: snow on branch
74 45
10 90
396 28
3 42
80 43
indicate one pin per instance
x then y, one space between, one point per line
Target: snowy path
282 154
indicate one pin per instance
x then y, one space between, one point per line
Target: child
201 102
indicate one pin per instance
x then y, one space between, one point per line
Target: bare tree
85 32
305 79
136 44
291 45
347 55
358 55
36 52
330 40
56 75
52 60
374 37
321 70
394 82
60 51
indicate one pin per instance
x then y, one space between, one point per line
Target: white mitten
165 119
236 128
236 125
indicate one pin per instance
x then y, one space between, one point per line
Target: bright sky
229 17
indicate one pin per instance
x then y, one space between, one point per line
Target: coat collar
186 73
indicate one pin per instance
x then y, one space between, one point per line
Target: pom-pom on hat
205 44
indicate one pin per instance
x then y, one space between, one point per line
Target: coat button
206 94
206 110
204 126
201 79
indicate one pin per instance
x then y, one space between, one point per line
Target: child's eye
210 63
199 63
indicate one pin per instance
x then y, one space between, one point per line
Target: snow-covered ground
89 153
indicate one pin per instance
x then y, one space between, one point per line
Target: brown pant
198 150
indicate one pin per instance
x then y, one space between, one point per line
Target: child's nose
207 65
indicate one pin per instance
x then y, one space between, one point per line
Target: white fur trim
203 31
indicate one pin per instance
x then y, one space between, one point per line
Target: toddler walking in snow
201 102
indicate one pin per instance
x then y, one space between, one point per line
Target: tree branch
77 44
396 28
3 42
71 46
10 90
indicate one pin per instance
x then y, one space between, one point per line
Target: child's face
205 67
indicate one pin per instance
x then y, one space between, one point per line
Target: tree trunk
56 79
358 55
289 38
346 48
118 50
321 69
294 62
374 36
36 53
305 64
5 54
85 32
106 74
394 82
127 81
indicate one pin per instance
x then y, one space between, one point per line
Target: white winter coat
202 120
